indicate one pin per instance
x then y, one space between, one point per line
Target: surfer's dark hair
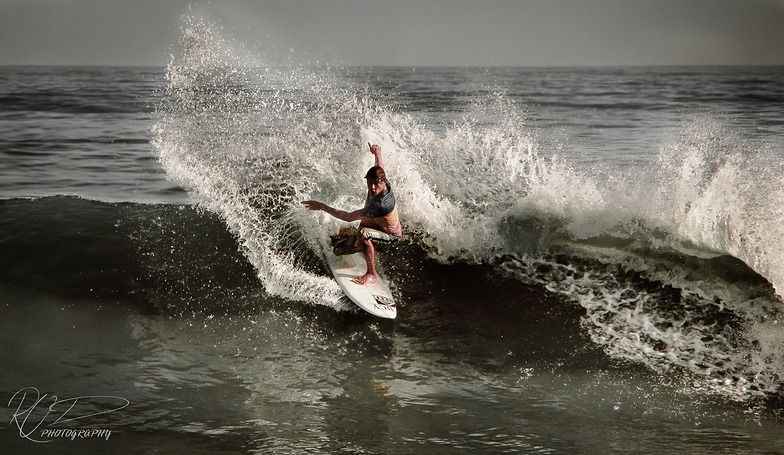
376 173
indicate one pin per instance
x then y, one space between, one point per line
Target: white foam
210 139
252 140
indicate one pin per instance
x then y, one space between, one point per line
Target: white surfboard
375 298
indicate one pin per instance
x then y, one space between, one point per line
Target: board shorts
376 235
350 243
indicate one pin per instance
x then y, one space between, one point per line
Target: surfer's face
375 187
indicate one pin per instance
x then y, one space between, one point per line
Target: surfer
378 219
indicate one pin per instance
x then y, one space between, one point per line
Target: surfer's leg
370 258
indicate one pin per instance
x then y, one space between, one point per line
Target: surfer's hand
374 149
313 205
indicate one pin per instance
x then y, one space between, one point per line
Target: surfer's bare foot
364 279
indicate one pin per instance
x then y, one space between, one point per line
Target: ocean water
592 260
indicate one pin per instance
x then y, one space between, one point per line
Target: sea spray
731 200
674 277
250 140
213 139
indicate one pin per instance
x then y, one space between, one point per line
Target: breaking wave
676 262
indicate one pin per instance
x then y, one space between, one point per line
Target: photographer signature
36 411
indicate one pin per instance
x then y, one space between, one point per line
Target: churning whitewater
671 248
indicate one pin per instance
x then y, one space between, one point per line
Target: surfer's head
377 174
376 180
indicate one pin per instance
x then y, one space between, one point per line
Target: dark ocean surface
592 262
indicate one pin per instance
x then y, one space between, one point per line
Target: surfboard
375 298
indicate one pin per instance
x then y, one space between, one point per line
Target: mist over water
674 255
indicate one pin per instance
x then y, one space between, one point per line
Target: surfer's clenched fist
375 149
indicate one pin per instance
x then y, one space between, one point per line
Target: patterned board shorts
374 234
350 243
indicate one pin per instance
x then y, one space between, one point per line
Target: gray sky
404 32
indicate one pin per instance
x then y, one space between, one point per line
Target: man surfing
378 219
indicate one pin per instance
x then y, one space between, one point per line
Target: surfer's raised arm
376 151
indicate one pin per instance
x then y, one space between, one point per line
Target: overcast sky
404 32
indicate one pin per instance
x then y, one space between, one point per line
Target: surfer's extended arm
339 214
